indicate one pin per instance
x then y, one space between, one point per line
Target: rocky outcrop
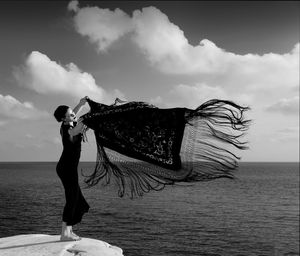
50 245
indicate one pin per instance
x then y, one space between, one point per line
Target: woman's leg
72 189
75 205
71 195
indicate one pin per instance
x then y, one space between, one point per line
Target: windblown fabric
142 147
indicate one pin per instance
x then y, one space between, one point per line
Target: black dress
66 169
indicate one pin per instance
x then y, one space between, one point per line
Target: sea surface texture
256 214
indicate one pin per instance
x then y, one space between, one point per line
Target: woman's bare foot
73 234
70 237
67 233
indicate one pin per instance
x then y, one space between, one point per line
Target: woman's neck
69 123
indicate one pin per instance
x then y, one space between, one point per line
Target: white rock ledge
50 245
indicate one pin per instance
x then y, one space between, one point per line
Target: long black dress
66 169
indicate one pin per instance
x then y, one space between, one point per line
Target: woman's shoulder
65 126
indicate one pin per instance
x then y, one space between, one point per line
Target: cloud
73 6
194 95
101 26
167 49
265 72
211 72
285 106
162 42
11 108
190 96
45 76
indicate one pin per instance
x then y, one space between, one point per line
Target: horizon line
25 161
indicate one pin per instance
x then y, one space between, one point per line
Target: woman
71 131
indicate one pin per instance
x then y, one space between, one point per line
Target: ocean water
256 214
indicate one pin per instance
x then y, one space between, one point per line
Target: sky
168 53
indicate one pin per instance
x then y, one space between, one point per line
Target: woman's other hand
80 119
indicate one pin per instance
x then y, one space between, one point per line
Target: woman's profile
71 131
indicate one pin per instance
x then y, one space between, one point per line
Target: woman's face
70 116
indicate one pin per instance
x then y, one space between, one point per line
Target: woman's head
64 113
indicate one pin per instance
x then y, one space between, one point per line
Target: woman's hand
80 119
80 104
79 128
83 100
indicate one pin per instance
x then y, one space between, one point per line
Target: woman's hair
60 112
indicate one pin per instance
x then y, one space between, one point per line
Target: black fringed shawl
144 148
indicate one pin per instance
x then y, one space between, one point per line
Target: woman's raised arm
80 104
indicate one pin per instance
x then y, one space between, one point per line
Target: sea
255 214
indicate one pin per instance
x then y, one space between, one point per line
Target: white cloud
195 95
102 26
162 42
265 72
45 76
73 6
285 106
217 73
166 46
11 108
192 96
167 49
251 79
